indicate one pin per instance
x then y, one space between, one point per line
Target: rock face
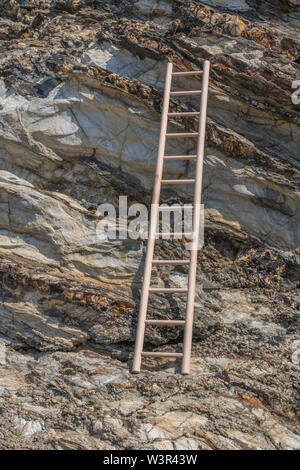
81 85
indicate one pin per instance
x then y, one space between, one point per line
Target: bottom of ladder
185 368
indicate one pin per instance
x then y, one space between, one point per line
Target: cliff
81 85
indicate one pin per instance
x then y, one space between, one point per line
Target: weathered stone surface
81 87
240 5
47 395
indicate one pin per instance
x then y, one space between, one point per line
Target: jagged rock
81 86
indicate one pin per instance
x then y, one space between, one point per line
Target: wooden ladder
155 209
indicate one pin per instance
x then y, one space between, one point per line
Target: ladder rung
180 157
173 208
178 181
165 322
171 290
185 93
170 261
174 234
182 134
192 113
192 72
161 354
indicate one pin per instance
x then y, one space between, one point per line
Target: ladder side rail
189 318
136 367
